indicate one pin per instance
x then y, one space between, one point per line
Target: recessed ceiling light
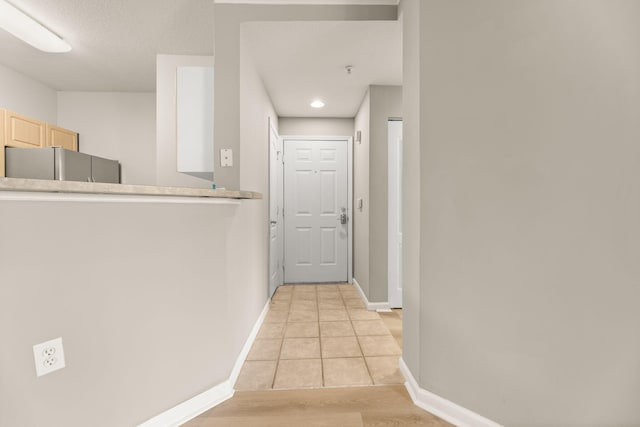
30 31
317 103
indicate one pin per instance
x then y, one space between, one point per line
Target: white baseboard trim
247 345
195 406
441 407
370 305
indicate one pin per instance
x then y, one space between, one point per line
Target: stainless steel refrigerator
56 163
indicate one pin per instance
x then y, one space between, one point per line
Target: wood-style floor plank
350 419
378 406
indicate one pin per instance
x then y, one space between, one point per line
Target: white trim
394 199
247 345
20 196
370 305
195 406
441 407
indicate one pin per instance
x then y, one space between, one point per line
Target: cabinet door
60 137
23 132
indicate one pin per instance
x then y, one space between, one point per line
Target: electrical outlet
226 157
48 356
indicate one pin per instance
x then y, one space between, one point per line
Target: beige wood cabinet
60 137
21 131
24 132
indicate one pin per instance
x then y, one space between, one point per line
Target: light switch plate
226 157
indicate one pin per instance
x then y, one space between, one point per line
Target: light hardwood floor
375 406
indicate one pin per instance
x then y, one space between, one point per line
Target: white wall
115 125
24 95
166 149
305 126
529 237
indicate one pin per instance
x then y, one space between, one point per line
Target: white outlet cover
48 356
226 157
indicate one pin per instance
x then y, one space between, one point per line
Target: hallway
317 348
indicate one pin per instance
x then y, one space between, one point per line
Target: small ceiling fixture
317 103
30 31
349 69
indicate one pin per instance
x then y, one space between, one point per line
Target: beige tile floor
322 336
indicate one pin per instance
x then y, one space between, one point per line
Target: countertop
74 187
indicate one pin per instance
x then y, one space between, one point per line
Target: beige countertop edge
37 185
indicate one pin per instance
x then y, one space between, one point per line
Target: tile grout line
320 340
275 372
364 359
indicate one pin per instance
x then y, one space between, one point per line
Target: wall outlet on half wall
48 356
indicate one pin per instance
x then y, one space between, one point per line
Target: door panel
328 246
316 192
303 240
328 193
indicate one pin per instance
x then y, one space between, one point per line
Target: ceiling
115 44
302 61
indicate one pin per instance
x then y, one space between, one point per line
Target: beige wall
529 209
153 301
410 12
370 183
316 126
140 294
228 20
115 125
386 103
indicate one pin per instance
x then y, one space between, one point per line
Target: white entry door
316 211
276 211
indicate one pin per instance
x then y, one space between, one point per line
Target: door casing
275 231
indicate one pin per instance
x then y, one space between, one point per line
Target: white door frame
349 141
278 194
394 179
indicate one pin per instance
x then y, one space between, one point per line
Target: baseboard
370 305
441 407
195 406
247 345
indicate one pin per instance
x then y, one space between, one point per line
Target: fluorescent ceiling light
30 31
317 104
